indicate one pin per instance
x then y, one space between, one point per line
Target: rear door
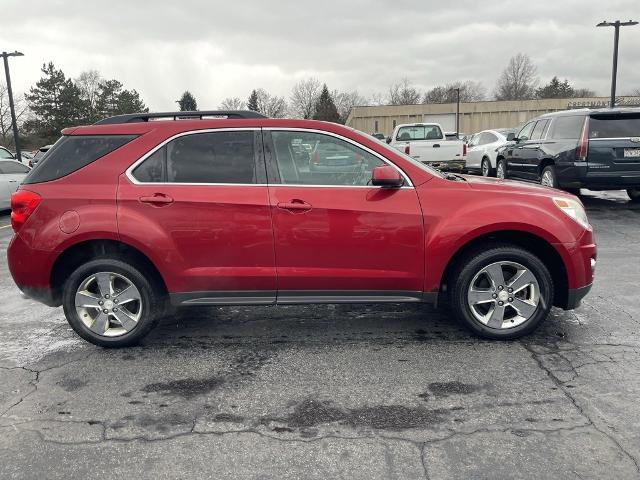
199 203
337 238
614 146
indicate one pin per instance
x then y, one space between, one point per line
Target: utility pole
457 111
614 73
14 121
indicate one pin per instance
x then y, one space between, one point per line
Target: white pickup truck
427 143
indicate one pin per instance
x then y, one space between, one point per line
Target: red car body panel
238 238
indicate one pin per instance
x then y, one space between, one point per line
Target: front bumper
575 296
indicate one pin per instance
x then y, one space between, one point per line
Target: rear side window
566 127
614 127
419 132
73 152
213 157
12 167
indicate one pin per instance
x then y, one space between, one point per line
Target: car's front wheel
634 194
501 169
111 303
502 293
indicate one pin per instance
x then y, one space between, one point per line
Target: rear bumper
575 296
579 175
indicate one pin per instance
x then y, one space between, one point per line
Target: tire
501 169
521 312
634 194
140 315
548 177
485 168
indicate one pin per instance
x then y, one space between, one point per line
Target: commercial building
474 116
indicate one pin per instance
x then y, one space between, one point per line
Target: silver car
12 173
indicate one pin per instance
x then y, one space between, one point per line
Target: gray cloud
221 49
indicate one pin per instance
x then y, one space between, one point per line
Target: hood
512 186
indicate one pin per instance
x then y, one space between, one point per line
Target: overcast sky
219 49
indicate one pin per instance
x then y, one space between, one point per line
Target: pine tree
113 100
326 108
188 102
252 103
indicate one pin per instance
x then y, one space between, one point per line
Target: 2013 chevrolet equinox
126 215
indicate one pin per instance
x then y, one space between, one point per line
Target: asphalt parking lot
332 391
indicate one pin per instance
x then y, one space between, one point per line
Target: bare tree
6 125
304 96
345 101
88 82
378 98
232 103
404 93
518 81
271 105
469 92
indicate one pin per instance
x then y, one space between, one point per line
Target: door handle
436 145
13 181
295 205
157 199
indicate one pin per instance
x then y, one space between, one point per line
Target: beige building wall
474 116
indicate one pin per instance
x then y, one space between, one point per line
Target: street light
617 24
5 56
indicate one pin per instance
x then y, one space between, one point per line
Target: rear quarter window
73 152
566 127
614 127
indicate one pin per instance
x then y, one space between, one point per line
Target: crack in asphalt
561 385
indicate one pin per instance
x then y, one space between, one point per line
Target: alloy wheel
485 168
109 304
503 295
547 179
500 170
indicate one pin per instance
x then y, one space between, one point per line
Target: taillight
314 158
464 149
583 144
407 149
23 204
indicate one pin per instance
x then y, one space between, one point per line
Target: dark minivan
573 149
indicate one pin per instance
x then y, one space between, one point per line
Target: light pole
5 56
457 110
617 24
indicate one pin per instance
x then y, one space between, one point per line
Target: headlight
573 209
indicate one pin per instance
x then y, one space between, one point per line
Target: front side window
419 132
209 157
12 167
525 132
539 130
322 160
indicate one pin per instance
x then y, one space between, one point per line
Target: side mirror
511 137
388 139
386 176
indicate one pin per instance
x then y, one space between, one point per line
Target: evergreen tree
188 102
252 103
113 100
56 103
555 89
326 108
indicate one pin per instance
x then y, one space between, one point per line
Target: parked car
128 215
482 150
39 154
12 173
5 154
334 157
427 143
379 136
26 157
573 149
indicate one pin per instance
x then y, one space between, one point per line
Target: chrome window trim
129 171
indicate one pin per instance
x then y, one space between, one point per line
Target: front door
200 204
337 238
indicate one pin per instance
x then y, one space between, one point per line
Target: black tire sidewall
552 170
149 302
485 161
502 162
474 263
634 194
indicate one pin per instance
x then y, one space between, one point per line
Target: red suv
138 212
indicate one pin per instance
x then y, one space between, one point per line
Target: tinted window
539 129
614 127
218 157
525 132
73 152
419 132
332 161
153 169
13 167
488 138
4 153
566 127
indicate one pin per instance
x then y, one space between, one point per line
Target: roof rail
145 117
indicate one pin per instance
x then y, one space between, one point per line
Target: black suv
573 149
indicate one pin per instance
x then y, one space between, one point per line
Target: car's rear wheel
548 177
111 303
634 194
502 293
487 171
501 169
